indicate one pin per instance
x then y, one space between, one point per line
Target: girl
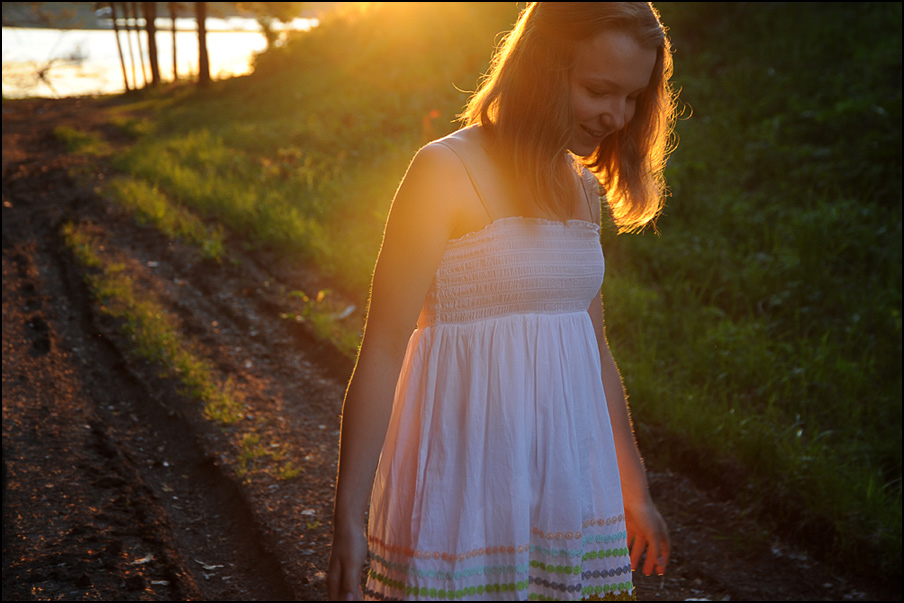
507 462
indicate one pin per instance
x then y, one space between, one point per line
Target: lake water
57 63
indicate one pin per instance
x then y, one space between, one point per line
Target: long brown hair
524 104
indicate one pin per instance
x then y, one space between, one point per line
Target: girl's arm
424 213
646 528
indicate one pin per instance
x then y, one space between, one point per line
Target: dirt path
115 486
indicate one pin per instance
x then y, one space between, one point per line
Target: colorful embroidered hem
592 564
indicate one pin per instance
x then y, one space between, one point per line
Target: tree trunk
172 13
122 57
127 16
203 61
150 27
144 71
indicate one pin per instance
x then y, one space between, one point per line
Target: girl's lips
588 140
594 133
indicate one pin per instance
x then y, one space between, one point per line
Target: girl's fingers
663 560
652 557
649 552
637 547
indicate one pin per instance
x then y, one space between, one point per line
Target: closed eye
597 93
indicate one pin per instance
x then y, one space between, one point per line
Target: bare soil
115 485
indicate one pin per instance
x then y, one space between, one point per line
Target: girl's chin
584 143
582 150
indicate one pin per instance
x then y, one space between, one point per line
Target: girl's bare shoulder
444 173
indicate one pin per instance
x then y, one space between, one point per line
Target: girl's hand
343 579
648 533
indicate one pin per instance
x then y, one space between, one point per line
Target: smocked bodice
516 266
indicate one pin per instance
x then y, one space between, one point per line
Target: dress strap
470 176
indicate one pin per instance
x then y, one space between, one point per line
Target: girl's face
611 71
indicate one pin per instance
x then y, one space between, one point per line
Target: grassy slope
765 323
759 336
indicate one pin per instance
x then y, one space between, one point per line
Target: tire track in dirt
78 517
128 475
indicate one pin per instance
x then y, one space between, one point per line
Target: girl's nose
615 116
619 111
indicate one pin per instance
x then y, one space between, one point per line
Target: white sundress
498 477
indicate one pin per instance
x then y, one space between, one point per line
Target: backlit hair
525 104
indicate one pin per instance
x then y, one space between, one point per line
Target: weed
326 321
288 470
255 454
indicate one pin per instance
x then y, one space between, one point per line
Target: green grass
256 455
150 206
759 336
328 323
78 141
151 330
246 194
764 326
